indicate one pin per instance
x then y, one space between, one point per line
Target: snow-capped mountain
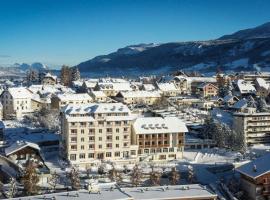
36 66
244 50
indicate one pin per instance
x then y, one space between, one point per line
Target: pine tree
75 74
65 75
114 175
74 179
136 176
54 180
30 179
155 177
174 176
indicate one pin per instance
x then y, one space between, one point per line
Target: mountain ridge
246 49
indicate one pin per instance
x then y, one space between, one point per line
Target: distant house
139 97
21 152
98 96
245 88
168 89
255 178
16 102
111 89
49 79
60 100
230 100
207 90
89 85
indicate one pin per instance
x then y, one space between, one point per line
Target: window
117 145
91 155
108 154
73 147
100 130
91 146
82 156
99 138
117 154
91 130
117 137
109 130
82 147
133 152
100 146
109 137
72 156
100 123
73 131
73 139
109 145
117 130
91 138
117 123
90 123
125 129
82 131
82 139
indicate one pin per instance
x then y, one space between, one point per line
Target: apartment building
16 102
159 138
111 89
60 100
254 126
255 178
139 97
97 132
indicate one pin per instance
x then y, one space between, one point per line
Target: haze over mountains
247 49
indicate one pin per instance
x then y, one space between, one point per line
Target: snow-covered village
179 136
135 100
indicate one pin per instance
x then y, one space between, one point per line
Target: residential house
207 90
139 97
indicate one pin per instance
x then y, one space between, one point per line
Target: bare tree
136 176
155 177
12 188
54 180
174 176
191 174
30 178
115 175
74 179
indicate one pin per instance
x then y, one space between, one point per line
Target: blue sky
59 32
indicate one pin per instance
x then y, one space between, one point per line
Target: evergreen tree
136 176
30 179
75 74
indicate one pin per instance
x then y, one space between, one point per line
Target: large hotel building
108 131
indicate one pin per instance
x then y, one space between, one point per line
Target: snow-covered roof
123 86
141 94
228 98
191 191
20 93
201 79
90 83
18 145
245 87
240 104
257 167
167 87
150 125
74 97
262 83
149 87
49 75
98 94
96 108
